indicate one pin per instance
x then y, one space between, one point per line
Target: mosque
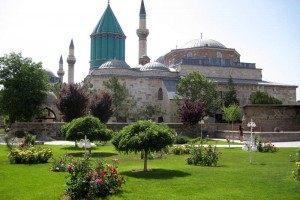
155 82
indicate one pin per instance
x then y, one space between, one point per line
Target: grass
269 177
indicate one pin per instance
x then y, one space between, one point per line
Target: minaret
61 71
71 61
143 33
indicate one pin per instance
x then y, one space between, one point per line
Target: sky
265 32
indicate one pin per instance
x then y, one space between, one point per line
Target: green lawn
269 177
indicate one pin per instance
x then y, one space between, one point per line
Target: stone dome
196 43
154 66
117 64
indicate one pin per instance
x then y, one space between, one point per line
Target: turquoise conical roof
107 40
108 23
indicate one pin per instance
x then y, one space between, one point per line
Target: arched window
189 54
160 94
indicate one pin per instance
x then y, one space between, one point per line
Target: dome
203 43
118 64
154 66
49 73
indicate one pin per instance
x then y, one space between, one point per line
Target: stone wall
274 117
43 131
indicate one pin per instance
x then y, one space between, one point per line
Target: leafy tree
122 102
73 101
101 106
260 97
143 136
230 97
24 87
150 111
90 126
192 111
196 87
232 114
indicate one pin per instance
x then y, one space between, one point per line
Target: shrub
296 172
179 150
204 156
90 126
264 146
296 157
86 182
181 139
29 155
29 139
60 165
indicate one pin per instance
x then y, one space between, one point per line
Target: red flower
120 182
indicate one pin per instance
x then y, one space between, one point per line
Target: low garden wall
49 131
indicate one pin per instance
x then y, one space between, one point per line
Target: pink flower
99 181
69 168
95 175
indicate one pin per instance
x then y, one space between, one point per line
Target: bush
204 156
264 146
90 126
29 155
29 139
179 150
181 139
296 172
86 182
296 157
60 165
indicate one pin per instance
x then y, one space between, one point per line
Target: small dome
50 73
119 64
203 43
154 66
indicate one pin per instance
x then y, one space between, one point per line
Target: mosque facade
155 82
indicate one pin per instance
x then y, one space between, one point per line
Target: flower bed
29 155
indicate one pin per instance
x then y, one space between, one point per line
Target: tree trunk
145 160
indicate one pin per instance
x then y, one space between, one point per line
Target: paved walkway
277 144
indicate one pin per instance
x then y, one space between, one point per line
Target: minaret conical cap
142 10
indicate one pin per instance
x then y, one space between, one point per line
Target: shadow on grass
156 174
94 154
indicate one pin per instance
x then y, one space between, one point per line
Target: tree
260 97
143 136
24 87
122 102
90 126
149 111
192 111
230 97
232 114
101 106
196 87
73 101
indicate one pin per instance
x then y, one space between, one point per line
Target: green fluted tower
107 40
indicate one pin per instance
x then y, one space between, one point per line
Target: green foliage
181 149
196 87
143 136
260 97
122 102
24 86
60 164
29 155
150 111
296 156
232 113
296 172
90 126
264 146
29 139
230 96
204 156
101 106
182 139
73 101
86 182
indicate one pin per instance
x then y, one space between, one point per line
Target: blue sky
265 32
